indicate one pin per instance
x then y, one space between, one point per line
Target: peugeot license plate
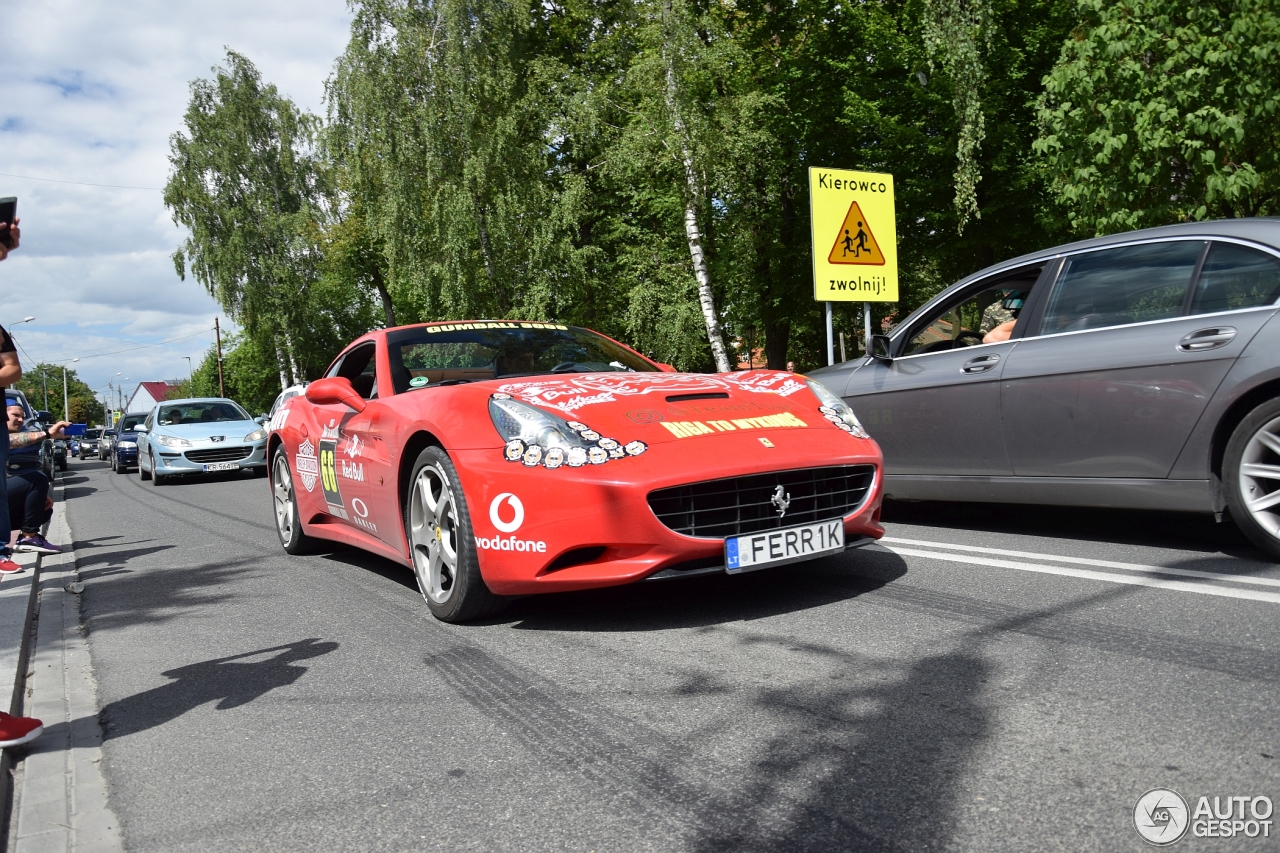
221 466
788 545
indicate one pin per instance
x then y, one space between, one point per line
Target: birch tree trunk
294 373
387 309
284 377
692 194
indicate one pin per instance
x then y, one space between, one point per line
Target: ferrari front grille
737 506
219 454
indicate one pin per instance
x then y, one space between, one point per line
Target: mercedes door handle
981 364
1207 339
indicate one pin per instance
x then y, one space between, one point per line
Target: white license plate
221 466
788 545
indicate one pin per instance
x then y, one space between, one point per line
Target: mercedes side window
1118 287
358 366
986 317
1236 277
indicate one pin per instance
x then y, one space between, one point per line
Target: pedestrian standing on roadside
13 730
10 372
28 488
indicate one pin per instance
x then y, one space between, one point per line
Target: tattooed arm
26 438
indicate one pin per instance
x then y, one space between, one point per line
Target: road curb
60 801
18 604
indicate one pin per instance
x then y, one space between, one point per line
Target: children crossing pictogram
855 244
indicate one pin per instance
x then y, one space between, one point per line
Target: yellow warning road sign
855 237
855 244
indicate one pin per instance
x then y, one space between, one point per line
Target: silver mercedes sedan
199 436
1139 370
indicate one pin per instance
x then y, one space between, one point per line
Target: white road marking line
1132 580
1105 564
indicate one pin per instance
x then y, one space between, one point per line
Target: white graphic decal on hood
572 393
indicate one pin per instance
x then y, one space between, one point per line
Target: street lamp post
19 323
66 407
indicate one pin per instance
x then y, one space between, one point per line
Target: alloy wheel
433 534
1260 477
282 497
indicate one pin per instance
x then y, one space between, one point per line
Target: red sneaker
7 565
18 730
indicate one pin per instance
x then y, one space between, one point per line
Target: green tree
645 163
446 158
42 385
249 184
1164 112
248 373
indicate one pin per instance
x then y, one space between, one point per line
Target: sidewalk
60 796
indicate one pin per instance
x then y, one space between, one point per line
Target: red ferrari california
509 458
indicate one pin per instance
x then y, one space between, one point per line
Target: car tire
284 500
157 479
1251 476
143 473
442 545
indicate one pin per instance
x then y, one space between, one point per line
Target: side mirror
260 419
880 349
335 390
140 428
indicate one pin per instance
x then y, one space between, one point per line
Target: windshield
471 352
203 412
92 433
131 422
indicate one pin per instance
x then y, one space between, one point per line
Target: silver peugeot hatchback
1139 370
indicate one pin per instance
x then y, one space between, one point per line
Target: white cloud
92 93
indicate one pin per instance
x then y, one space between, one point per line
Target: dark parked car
124 448
38 455
89 443
1138 370
60 453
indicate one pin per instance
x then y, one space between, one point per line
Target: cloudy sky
91 93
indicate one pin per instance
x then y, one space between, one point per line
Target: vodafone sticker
496 513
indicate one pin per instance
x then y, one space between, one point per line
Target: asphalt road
1009 684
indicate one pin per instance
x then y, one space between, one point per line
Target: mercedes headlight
836 410
516 421
172 441
256 435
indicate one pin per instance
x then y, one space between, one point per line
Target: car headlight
514 420
836 410
256 435
128 444
172 441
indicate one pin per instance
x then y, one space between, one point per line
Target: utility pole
217 330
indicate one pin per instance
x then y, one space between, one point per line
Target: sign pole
831 346
866 308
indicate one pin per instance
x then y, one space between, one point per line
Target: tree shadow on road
157 595
228 681
875 762
858 755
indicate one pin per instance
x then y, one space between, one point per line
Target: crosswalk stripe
1132 580
1082 561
